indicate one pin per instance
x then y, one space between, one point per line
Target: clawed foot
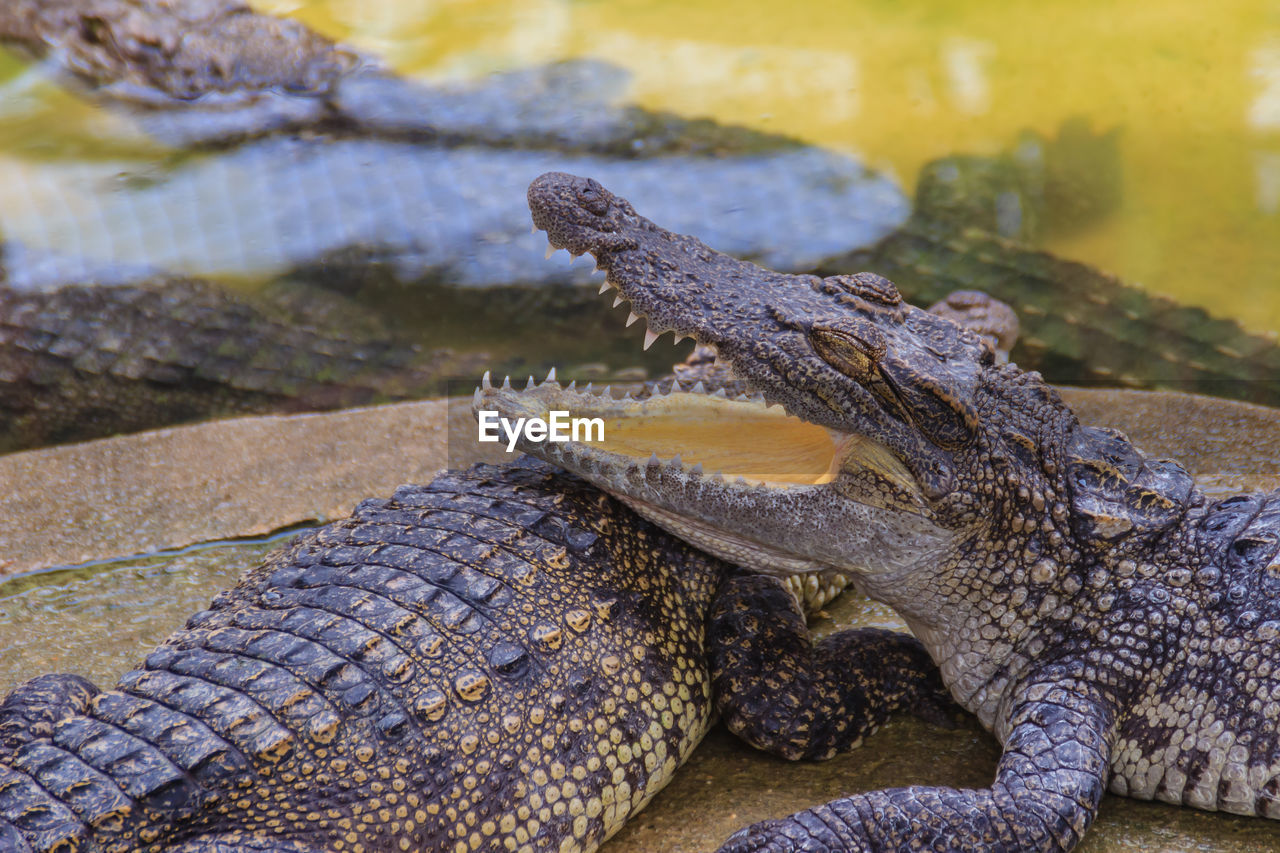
778 836
769 836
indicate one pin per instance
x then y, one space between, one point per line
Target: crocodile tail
30 820
31 710
99 768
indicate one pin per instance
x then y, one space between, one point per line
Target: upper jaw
670 281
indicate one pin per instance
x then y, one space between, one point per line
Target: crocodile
1081 325
83 362
1113 627
294 152
503 659
213 73
175 49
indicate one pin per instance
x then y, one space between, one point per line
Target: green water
1193 94
99 621
1193 91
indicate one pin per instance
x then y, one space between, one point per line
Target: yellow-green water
1193 88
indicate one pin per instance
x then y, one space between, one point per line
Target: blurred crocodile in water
159 50
1079 325
426 211
301 157
215 72
420 182
504 659
83 362
1113 626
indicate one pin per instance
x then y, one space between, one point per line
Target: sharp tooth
531 385
533 229
719 392
654 461
607 392
551 377
649 338
675 387
676 462
696 469
618 300
573 385
605 285
632 317
590 389
506 383
551 250
699 388
477 397
485 383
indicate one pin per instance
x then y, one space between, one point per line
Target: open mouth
715 461
708 434
698 427
738 441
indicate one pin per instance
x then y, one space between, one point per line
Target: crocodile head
861 447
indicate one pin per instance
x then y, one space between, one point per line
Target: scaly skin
504 659
1107 622
177 48
1079 325
84 362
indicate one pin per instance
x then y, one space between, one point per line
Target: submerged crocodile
432 169
504 659
298 153
1111 625
1080 325
84 362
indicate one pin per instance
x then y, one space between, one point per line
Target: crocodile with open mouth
1111 625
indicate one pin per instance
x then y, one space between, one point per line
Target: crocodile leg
782 693
1046 792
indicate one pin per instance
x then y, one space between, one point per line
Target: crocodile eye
857 349
593 197
851 346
